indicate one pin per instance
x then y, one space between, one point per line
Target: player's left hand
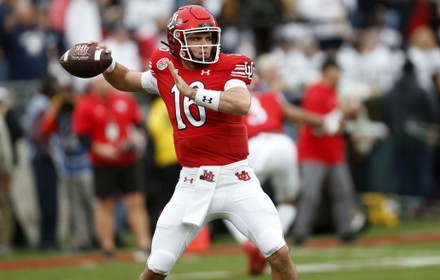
181 85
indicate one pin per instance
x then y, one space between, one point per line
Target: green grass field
360 262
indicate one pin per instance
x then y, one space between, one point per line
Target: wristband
208 98
111 67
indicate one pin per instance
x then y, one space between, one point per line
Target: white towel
203 193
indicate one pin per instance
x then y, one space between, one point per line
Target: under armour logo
243 176
206 72
207 99
207 176
190 180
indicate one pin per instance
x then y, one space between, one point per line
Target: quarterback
206 97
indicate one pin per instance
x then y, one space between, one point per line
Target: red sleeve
240 67
82 123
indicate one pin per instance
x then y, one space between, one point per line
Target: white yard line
377 263
202 275
420 261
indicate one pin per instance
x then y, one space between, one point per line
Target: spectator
424 54
83 23
25 43
6 170
127 49
329 20
298 57
74 169
407 104
436 106
367 61
146 18
109 124
45 175
322 157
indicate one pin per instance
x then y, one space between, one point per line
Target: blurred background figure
405 107
146 20
88 28
434 132
123 47
424 53
74 168
109 124
41 154
6 171
322 158
26 41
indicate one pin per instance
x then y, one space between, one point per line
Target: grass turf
387 262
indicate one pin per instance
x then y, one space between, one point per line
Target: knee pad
161 262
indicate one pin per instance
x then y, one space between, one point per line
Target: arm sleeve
149 82
234 83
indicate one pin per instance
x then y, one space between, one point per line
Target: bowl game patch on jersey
162 63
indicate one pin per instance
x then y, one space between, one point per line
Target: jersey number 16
186 108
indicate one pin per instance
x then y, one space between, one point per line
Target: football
85 61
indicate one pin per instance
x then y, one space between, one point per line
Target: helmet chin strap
170 48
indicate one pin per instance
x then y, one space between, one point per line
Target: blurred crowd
387 50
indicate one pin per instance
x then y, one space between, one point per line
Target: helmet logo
174 21
162 63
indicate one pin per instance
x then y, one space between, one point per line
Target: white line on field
389 262
327 267
202 275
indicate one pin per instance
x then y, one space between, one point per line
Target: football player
206 97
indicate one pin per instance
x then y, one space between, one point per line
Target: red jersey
107 121
266 113
203 136
329 149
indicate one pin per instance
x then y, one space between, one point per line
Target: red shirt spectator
329 149
108 120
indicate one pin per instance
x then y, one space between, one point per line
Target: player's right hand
181 85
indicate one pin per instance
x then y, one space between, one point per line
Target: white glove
332 122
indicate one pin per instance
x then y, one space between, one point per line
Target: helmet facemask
185 49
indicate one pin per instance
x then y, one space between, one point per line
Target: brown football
85 61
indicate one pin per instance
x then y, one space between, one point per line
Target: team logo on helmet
162 63
174 21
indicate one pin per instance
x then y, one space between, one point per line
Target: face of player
200 45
